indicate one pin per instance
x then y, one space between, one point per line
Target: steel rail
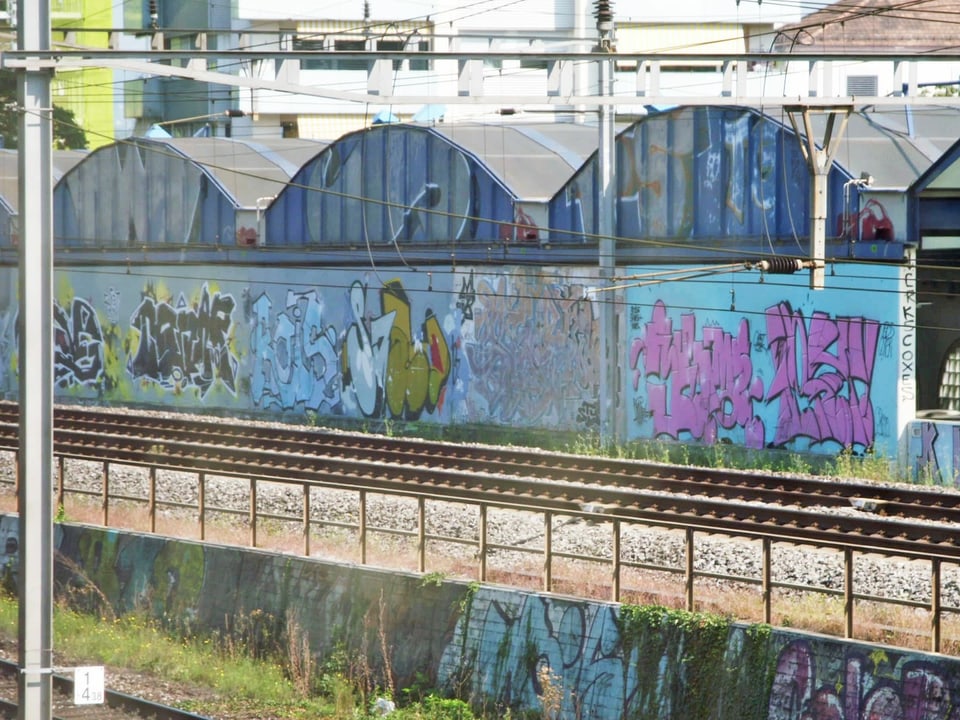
370 465
879 498
863 532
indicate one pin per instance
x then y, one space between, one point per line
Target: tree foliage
66 134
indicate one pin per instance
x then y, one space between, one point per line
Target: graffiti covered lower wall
498 647
766 362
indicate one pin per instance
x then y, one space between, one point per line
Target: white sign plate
88 685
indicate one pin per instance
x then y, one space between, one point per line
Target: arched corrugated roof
406 182
246 169
895 145
172 190
61 162
695 179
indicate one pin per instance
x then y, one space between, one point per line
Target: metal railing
614 564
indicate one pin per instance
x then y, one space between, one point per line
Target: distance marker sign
88 685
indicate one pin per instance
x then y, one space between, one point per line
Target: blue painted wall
765 362
506 346
739 357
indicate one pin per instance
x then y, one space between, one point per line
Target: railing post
421 534
61 492
105 497
253 512
202 504
152 499
16 479
615 565
482 543
765 584
688 570
935 613
362 528
547 551
306 519
848 592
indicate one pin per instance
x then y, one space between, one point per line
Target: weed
551 693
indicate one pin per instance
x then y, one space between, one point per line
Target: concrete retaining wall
498 647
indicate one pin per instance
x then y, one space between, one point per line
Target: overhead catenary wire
854 11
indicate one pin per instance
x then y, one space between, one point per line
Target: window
392 45
329 61
949 390
401 45
864 85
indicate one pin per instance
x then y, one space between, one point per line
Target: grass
227 684
219 676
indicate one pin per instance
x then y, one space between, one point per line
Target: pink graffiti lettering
822 376
697 386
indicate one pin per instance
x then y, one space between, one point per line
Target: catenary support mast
35 325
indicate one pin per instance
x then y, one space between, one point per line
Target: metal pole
606 227
35 471
819 160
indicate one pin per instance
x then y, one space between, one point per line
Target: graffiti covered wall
933 452
492 645
760 361
765 362
504 346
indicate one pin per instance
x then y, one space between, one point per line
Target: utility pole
819 161
606 226
35 325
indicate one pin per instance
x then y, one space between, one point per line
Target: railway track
911 521
115 706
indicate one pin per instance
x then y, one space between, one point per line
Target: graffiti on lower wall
501 646
294 354
774 366
507 638
184 345
933 447
812 683
388 360
492 644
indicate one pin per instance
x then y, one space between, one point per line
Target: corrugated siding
398 184
723 177
140 193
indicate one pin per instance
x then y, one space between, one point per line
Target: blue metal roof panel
391 183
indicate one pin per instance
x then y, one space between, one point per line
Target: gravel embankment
807 567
